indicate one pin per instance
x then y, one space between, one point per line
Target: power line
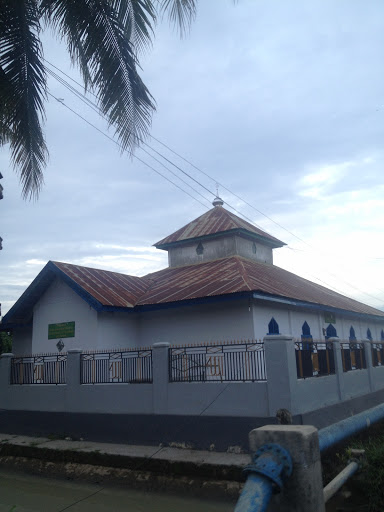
119 145
94 107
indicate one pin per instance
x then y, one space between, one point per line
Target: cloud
280 102
319 181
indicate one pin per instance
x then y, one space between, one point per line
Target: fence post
160 377
73 378
280 363
368 360
339 370
303 490
5 379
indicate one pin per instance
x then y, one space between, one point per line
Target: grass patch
367 485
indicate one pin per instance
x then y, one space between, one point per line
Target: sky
282 103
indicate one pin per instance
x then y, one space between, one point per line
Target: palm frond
96 27
137 17
181 13
23 89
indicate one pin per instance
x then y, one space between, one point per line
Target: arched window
382 335
306 331
369 334
352 335
273 327
330 332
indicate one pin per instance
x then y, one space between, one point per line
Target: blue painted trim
306 330
273 327
95 304
118 309
192 302
313 306
352 334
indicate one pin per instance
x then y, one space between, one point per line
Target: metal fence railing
353 356
39 369
225 362
377 354
314 358
129 366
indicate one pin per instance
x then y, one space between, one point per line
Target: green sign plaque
64 330
329 318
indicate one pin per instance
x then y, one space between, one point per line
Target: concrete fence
260 399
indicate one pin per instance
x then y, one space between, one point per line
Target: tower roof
216 222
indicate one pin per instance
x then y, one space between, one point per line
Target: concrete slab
170 454
6 437
27 440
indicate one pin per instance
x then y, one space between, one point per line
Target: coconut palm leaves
104 38
22 90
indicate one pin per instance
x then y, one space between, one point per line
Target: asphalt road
24 493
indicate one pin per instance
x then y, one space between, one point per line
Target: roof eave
35 290
314 306
275 244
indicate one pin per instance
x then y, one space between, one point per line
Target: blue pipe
346 428
271 465
256 494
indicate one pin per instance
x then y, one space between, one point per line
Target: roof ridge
215 222
93 268
243 271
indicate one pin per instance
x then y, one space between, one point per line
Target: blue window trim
273 327
352 334
306 331
330 332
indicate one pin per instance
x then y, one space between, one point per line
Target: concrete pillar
280 363
160 377
73 368
338 367
73 379
368 359
303 490
5 379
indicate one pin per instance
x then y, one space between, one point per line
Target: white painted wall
226 321
195 324
216 248
313 319
291 320
61 304
117 330
262 315
22 341
245 248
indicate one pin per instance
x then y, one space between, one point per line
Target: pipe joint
273 462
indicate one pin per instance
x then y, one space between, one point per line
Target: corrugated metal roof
214 278
217 220
108 288
210 279
236 274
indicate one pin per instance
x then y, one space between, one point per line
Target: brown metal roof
236 274
217 220
219 277
213 278
108 288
